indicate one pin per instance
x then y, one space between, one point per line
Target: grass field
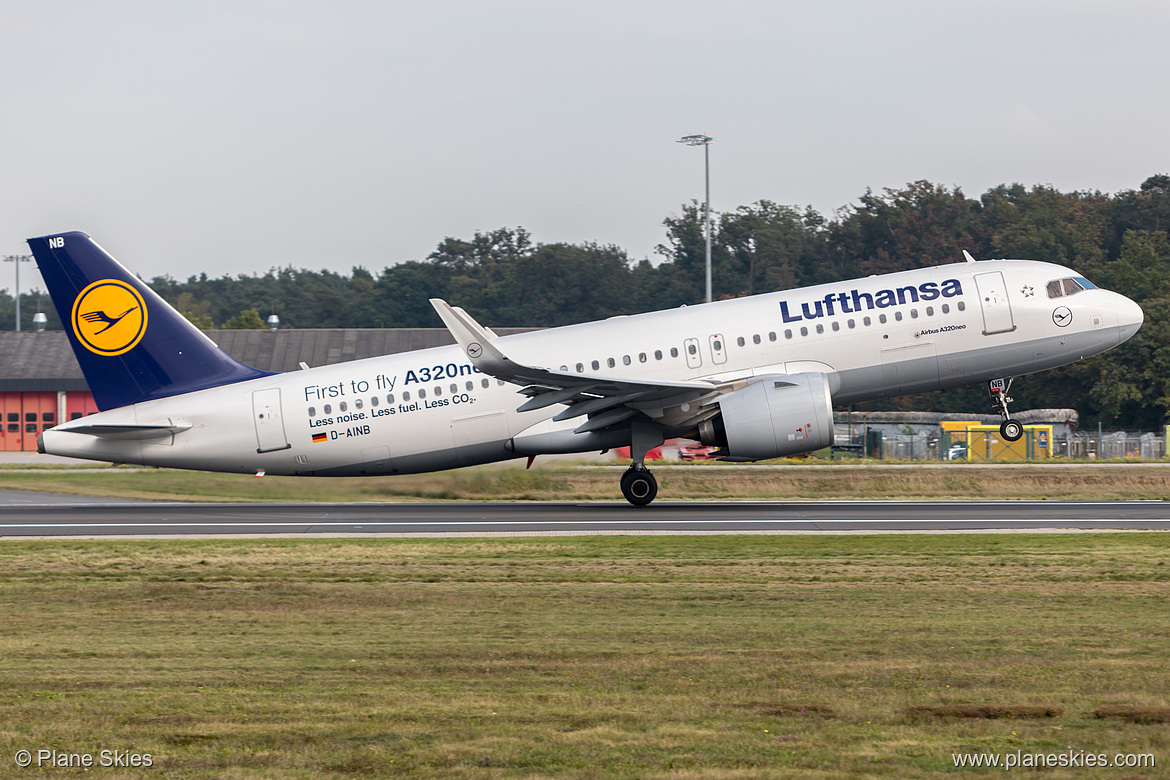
582 482
585 657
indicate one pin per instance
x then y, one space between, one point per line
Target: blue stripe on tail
132 346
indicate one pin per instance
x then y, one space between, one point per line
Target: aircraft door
478 434
691 349
718 349
997 309
912 368
266 414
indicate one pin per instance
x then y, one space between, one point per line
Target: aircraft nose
1129 319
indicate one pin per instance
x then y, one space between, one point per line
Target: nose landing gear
1009 429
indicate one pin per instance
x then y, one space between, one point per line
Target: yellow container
983 442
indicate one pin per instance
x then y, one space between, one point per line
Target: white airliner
757 377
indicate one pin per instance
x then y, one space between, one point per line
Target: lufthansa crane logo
109 317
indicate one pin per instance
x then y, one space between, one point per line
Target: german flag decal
320 437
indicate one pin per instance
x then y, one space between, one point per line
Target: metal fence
988 446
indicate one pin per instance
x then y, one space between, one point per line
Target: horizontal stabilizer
126 431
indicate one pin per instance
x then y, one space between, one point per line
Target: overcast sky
231 137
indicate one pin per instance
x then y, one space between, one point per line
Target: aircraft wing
605 400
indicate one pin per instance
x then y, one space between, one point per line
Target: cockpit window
1069 286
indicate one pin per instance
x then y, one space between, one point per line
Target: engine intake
777 415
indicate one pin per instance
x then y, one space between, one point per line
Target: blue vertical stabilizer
131 344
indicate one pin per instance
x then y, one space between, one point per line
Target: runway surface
72 516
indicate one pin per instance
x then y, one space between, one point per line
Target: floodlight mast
17 260
704 141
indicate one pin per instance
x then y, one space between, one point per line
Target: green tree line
505 278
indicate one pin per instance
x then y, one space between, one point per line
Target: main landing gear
638 485
1009 429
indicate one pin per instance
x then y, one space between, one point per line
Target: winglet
475 339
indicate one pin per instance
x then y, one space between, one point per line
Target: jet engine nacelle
777 415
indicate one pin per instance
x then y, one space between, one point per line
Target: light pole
704 141
18 259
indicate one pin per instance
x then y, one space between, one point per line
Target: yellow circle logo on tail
109 317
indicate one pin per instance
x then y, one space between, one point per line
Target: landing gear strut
638 485
1009 429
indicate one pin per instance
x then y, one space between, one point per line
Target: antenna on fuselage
967 255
